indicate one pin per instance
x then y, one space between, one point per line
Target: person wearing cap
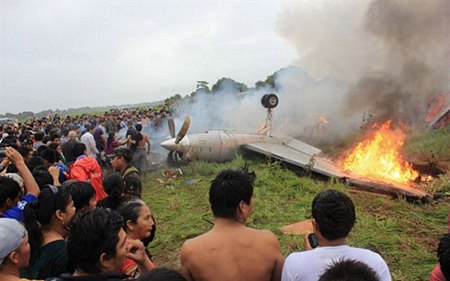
14 249
121 163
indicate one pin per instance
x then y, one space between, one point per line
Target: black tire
174 160
269 100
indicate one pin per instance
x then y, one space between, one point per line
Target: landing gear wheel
269 100
174 159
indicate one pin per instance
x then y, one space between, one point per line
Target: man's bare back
232 251
145 140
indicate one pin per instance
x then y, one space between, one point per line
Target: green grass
431 146
405 235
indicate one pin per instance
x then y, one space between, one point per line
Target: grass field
405 234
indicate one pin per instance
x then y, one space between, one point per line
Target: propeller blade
183 130
171 125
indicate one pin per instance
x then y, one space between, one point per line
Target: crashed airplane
223 145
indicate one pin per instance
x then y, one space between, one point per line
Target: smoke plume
388 56
355 59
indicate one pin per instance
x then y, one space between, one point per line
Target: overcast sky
61 54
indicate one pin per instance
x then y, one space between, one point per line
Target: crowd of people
62 217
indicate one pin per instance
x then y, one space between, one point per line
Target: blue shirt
16 212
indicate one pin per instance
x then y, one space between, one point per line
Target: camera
313 241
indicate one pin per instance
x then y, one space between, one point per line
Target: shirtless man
140 160
230 250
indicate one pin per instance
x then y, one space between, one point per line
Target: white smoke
390 55
355 58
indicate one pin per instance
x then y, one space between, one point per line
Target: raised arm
31 186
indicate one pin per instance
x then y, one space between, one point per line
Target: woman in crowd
111 144
83 195
47 222
138 225
114 187
99 144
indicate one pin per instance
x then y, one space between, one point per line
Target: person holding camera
333 217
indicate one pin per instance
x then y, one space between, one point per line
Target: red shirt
87 169
436 274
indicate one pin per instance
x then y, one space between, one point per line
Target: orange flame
379 157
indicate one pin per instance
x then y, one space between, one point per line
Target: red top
436 274
87 169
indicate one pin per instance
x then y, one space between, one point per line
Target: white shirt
89 142
310 265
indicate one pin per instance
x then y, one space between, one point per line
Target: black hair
129 210
12 169
65 132
228 189
78 149
138 127
50 155
334 213
46 139
9 189
41 149
67 150
125 153
114 187
38 136
54 146
42 177
39 214
162 274
444 255
133 185
54 136
110 137
23 151
34 161
95 232
81 191
349 270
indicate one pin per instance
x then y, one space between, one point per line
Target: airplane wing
298 154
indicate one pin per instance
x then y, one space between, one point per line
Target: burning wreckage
374 165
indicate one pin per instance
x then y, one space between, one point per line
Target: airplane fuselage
214 145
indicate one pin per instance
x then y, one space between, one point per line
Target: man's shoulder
364 252
84 136
131 171
262 235
196 243
360 254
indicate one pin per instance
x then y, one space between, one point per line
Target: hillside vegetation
406 235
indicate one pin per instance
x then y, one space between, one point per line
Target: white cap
12 234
